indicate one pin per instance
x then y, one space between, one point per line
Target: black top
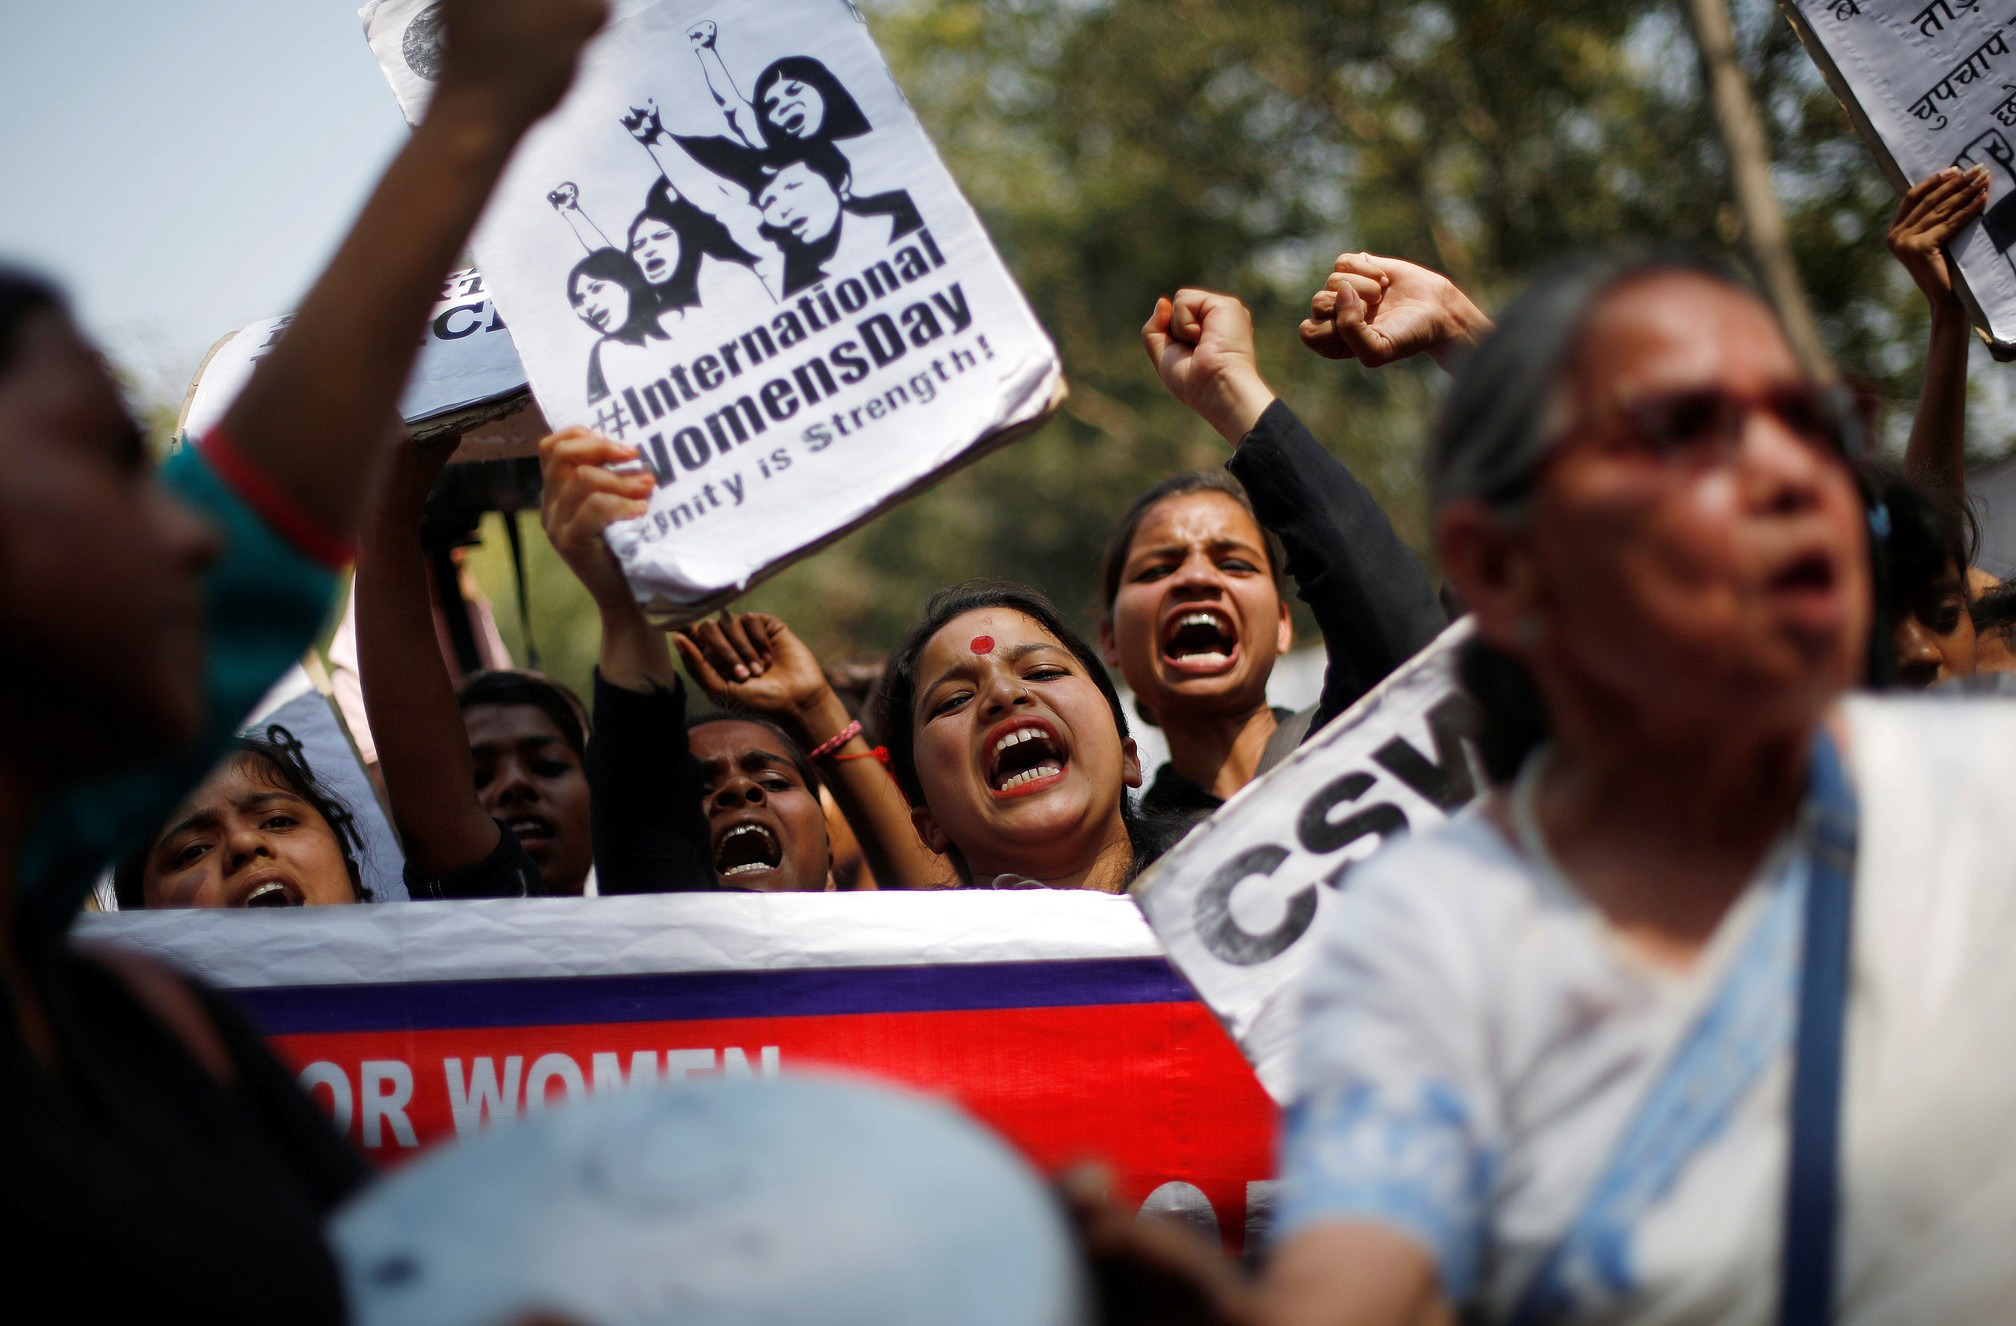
644 794
140 1187
1370 597
508 872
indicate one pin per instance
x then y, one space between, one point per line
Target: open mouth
747 849
600 317
794 121
272 893
1201 640
1025 759
532 831
1811 574
654 268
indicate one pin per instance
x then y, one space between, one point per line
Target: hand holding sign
1931 214
1381 310
1202 345
582 495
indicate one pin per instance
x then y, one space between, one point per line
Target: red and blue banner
1052 1017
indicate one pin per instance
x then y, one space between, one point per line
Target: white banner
733 247
1238 903
467 363
1932 85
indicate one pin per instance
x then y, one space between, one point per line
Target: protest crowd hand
1380 310
514 57
1201 344
754 660
1930 214
582 495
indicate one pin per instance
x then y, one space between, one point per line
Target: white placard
466 362
1237 903
1932 85
733 247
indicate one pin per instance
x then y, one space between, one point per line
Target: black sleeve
506 873
1371 599
649 831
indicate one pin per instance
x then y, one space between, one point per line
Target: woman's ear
1490 564
1109 647
1130 763
928 831
1284 631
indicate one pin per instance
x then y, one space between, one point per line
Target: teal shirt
265 603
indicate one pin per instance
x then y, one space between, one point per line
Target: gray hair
1498 423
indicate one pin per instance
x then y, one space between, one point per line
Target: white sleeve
1393 1123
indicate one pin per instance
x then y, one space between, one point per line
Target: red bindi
983 644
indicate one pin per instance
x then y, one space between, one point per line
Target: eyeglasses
1704 425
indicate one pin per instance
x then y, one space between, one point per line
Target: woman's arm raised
313 419
755 661
1933 212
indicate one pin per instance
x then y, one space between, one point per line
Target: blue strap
1766 999
1813 1180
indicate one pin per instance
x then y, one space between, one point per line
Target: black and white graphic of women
756 215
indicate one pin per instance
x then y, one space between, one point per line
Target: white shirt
1476 1040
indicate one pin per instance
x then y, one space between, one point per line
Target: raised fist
702 34
567 197
643 122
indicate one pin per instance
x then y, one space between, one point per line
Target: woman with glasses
1717 924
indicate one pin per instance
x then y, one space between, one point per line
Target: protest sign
733 247
1238 903
467 373
1932 85
1052 1016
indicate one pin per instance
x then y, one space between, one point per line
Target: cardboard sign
1239 902
1932 85
733 247
467 373
1052 1017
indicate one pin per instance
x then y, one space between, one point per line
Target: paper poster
733 247
1237 904
1052 1017
1932 85
467 373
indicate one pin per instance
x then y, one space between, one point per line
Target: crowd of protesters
1688 578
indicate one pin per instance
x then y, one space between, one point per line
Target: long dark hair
1148 836
279 755
700 236
618 266
843 117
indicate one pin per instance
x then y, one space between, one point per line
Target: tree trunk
1743 138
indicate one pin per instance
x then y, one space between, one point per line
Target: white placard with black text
1932 84
733 247
1238 903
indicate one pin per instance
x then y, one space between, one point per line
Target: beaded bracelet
836 741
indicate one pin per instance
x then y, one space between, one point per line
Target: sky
185 169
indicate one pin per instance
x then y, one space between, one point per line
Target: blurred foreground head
100 567
794 1200
1649 508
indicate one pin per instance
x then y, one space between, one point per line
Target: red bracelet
878 753
836 741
